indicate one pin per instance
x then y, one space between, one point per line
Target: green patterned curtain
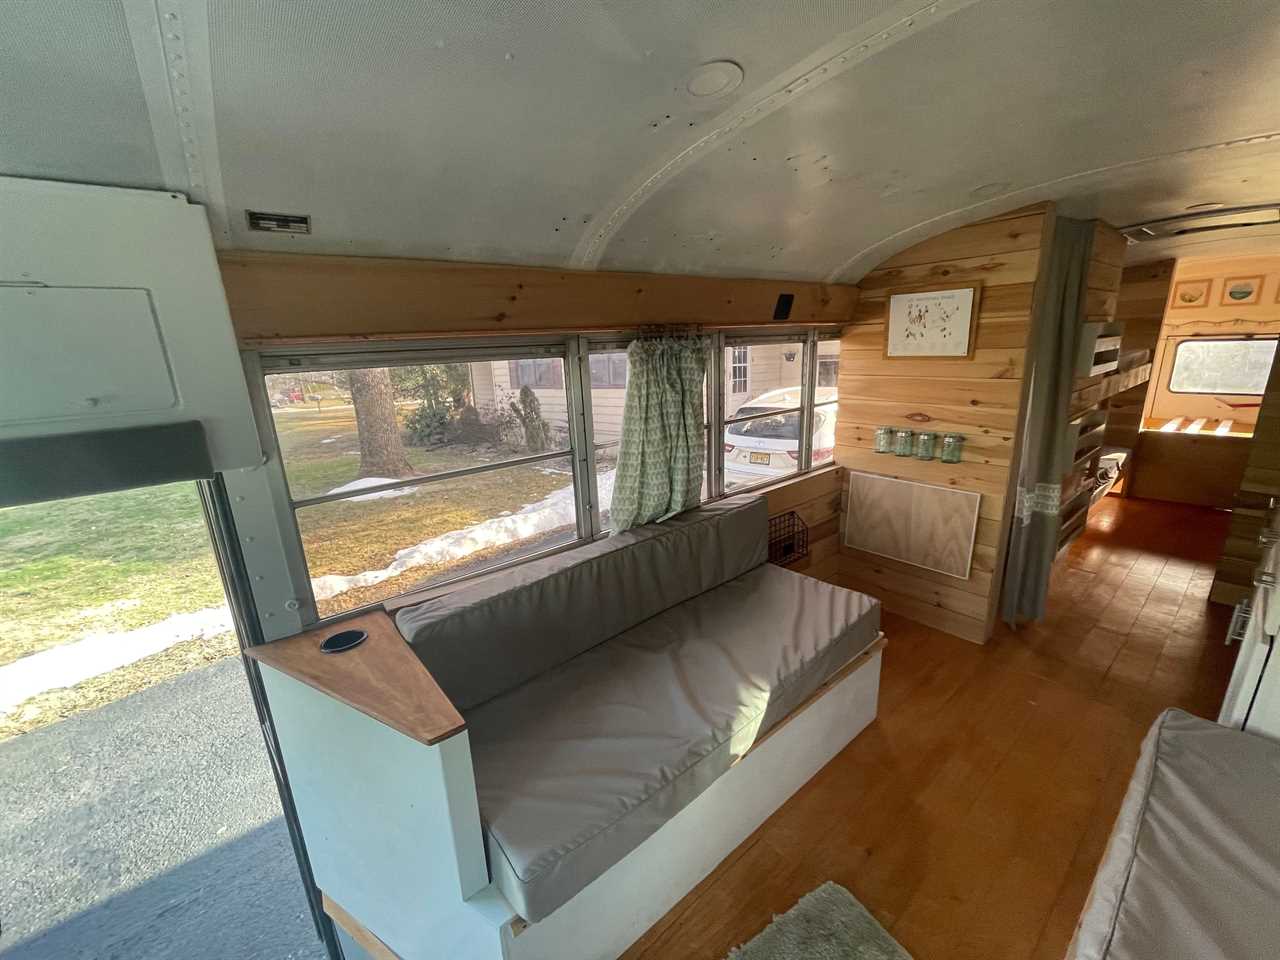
663 452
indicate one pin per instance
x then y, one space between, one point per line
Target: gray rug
827 924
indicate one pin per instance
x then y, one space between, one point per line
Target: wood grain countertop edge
382 677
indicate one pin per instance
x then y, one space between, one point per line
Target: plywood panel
927 526
980 397
276 297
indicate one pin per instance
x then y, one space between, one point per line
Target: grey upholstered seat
576 767
1192 870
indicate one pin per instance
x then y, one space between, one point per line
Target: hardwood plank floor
970 817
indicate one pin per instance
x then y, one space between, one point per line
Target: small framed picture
1190 293
1241 291
935 321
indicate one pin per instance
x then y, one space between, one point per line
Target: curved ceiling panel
1005 102
72 105
564 132
474 130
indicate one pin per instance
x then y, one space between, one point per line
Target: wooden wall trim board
982 397
279 297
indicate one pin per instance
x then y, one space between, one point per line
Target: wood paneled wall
277 297
979 397
816 500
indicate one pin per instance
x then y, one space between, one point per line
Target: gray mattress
1192 870
575 768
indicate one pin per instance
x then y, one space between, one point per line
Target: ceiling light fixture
714 79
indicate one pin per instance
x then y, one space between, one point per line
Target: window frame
574 351
1177 349
745 364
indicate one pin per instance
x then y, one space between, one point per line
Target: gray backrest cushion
485 639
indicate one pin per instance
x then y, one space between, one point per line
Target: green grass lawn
110 562
123 560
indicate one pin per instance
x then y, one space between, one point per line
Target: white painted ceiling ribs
564 132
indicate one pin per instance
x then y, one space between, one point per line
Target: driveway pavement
150 828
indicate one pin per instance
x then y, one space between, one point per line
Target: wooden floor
970 817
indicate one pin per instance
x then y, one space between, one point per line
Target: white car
768 447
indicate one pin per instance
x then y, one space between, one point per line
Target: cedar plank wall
815 498
979 397
1144 291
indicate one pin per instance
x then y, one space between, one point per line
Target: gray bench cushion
1192 870
577 767
485 639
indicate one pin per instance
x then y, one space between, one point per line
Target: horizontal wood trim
279 296
954 391
992 236
920 414
986 364
382 677
996 269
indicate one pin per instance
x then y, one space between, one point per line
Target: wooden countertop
382 677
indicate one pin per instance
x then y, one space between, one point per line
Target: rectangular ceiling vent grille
1203 222
278 222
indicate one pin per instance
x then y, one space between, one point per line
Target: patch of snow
363 482
555 510
98 652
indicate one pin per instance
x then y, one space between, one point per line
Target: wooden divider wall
980 397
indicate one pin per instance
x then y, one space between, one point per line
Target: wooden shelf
382 677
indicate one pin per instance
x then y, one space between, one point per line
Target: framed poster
937 321
1190 293
1241 291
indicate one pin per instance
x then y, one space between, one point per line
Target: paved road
150 828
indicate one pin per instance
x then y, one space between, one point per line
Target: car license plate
760 458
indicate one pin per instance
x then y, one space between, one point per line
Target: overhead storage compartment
114 317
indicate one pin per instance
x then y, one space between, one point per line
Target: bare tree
381 450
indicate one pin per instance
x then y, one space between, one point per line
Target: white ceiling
560 132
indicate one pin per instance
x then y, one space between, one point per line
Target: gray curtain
663 453
1055 333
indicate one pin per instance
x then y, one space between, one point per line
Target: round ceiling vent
714 79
